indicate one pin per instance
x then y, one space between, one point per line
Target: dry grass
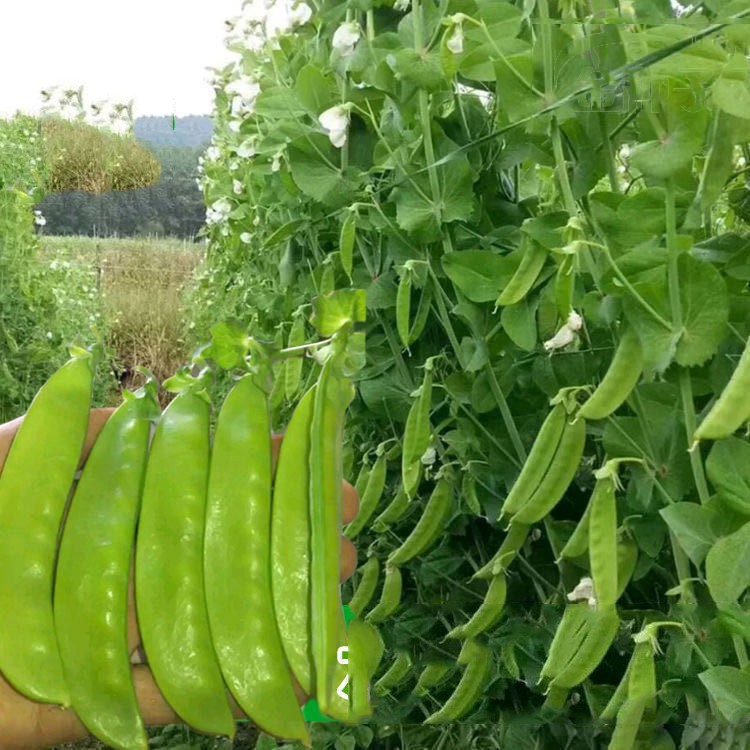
141 283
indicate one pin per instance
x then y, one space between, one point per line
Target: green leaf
478 274
333 311
688 522
730 688
319 177
519 322
314 90
728 567
728 469
421 70
229 344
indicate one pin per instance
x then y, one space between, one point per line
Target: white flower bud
345 38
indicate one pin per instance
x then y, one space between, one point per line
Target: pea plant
546 203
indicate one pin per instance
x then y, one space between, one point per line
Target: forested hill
191 131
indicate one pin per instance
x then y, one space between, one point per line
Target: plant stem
505 412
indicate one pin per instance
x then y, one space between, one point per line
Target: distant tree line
171 207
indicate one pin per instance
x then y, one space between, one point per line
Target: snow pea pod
469 689
290 542
34 486
367 585
293 365
417 434
390 596
396 673
431 524
621 377
523 279
431 676
92 576
538 461
169 577
732 408
489 612
370 497
394 511
570 633
603 542
506 553
578 542
365 652
237 565
560 474
332 396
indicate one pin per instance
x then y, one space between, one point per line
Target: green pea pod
92 576
390 596
360 484
599 637
293 365
603 542
394 511
423 312
565 281
489 612
290 542
34 486
327 280
368 583
538 461
237 565
370 498
627 558
523 279
430 526
570 634
169 583
403 307
396 673
365 653
621 377
431 676
559 475
732 408
417 435
332 396
506 553
628 722
469 494
346 241
609 712
578 542
469 690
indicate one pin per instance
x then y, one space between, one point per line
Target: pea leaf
319 178
229 344
688 523
333 311
728 469
728 567
730 688
478 274
519 322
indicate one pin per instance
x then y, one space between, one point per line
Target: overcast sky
153 51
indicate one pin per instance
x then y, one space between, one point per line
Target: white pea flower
402 5
39 220
346 37
584 591
246 238
336 121
256 221
234 125
562 338
428 457
300 14
213 153
237 186
246 149
218 211
575 321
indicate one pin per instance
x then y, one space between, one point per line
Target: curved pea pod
434 673
609 712
293 365
360 483
565 280
92 576
570 634
627 558
237 565
537 463
423 312
34 487
403 307
346 241
525 276
560 474
732 408
332 396
394 511
599 636
417 435
390 596
603 542
506 553
368 583
430 525
621 377
169 579
396 673
290 543
365 653
489 612
578 542
370 497
469 690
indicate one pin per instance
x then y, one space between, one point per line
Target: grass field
135 287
